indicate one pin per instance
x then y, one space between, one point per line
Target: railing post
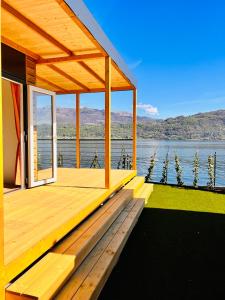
107 122
134 129
78 131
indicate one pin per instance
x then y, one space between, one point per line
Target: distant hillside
202 126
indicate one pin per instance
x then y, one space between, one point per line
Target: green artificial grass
167 197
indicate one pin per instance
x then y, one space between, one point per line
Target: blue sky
176 50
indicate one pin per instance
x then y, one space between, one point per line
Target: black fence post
214 169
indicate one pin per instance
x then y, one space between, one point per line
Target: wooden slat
41 280
97 90
85 238
53 85
34 27
2 289
98 276
67 76
19 48
78 131
88 280
80 57
73 17
30 71
134 164
107 122
135 184
144 192
87 68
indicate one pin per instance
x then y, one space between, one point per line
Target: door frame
31 181
22 133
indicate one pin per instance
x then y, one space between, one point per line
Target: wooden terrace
35 219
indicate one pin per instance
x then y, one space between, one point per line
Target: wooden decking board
111 208
74 283
144 192
88 280
51 212
135 184
27 284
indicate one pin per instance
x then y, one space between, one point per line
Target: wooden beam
108 75
92 72
75 19
19 48
2 265
122 74
34 27
56 87
134 164
96 90
67 76
78 131
81 57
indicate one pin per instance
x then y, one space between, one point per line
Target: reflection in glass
43 134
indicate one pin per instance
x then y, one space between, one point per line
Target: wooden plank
135 184
134 165
93 284
76 280
87 239
92 72
107 122
30 71
144 192
76 234
96 90
67 76
90 275
43 279
78 131
19 48
51 84
2 267
73 17
78 58
34 27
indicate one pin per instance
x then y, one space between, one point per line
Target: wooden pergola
68 53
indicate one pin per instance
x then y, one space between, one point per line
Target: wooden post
78 130
107 122
2 267
134 129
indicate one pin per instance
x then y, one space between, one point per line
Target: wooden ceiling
68 57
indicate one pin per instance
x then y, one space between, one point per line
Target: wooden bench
87 254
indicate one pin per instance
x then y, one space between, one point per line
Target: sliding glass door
42 138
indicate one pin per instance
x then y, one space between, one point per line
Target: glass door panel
42 137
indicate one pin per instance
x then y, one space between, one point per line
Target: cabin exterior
49 48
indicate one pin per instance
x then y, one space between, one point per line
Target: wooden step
135 184
89 279
38 282
144 192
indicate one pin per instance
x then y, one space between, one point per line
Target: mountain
92 116
201 126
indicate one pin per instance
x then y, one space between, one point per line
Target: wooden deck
36 219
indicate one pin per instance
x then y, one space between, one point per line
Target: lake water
145 148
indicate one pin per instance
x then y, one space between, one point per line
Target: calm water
145 148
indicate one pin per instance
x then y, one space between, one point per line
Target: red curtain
16 104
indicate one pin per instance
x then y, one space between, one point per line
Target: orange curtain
16 104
